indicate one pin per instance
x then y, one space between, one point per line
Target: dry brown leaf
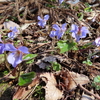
6 1
20 93
70 80
52 92
79 79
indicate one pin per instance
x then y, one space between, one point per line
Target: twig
98 97
41 46
84 89
25 13
30 92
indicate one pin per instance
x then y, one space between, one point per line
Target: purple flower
12 34
42 22
97 41
59 31
15 57
2 47
60 1
78 32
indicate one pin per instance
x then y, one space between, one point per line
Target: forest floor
60 65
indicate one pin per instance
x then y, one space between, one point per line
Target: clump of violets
59 31
42 21
78 32
97 41
15 57
60 1
12 34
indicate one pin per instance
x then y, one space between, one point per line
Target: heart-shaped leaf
26 78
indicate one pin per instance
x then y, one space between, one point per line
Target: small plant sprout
97 41
96 82
12 34
59 31
78 32
87 62
60 1
15 57
42 22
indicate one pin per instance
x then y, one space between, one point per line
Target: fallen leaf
26 25
6 1
42 64
51 91
20 93
49 59
45 62
79 79
70 80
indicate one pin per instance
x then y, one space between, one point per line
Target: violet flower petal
9 47
2 46
78 33
56 27
13 29
60 1
14 59
74 28
84 31
46 17
59 34
52 34
42 23
97 41
39 18
11 35
23 49
63 27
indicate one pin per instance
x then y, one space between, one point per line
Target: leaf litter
74 79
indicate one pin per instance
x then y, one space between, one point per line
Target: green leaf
88 9
26 78
5 72
96 82
97 79
80 16
56 66
62 45
47 67
65 46
88 62
29 58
